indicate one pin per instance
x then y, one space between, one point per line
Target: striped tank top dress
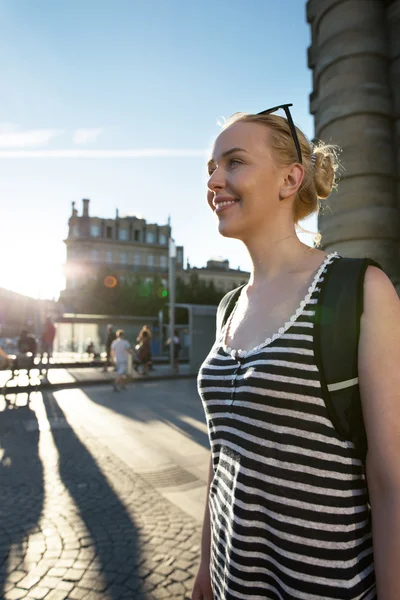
288 502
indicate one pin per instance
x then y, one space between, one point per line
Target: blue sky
111 85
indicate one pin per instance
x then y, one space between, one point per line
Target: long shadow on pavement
109 543
174 403
21 488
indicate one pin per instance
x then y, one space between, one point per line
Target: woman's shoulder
379 294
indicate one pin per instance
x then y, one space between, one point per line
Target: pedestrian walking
143 350
120 349
27 349
110 337
292 446
47 339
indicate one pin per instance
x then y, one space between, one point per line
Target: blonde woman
288 514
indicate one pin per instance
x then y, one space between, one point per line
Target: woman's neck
276 255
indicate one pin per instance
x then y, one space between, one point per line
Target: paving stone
74 574
57 572
50 582
15 594
29 581
182 564
38 593
156 578
176 589
78 593
65 563
99 585
81 564
16 576
179 575
160 593
57 595
133 583
189 583
66 585
164 569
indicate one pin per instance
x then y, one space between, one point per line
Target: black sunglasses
285 107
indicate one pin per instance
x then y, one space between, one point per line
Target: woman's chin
229 229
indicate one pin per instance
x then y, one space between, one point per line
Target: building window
179 255
74 231
95 230
163 261
136 259
109 257
137 235
123 235
163 239
123 258
94 255
150 260
109 232
150 237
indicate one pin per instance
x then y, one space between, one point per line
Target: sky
119 102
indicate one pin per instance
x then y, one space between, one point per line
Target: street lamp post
171 285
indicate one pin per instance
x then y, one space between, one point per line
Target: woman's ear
293 178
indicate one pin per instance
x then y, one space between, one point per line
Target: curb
89 383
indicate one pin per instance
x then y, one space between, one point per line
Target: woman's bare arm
379 375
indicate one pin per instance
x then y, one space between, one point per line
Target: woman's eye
234 162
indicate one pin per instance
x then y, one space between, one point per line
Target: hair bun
325 166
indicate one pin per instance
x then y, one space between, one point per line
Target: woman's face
244 184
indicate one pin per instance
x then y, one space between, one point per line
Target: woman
287 515
143 349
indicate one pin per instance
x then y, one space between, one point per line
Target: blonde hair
320 161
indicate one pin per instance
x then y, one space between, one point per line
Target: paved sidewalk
76 523
83 376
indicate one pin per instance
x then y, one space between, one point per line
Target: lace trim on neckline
243 353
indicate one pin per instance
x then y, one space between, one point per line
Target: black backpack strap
226 306
337 332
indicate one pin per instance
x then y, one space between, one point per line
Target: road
102 493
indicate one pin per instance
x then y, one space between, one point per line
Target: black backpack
337 332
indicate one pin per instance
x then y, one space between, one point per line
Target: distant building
127 245
218 271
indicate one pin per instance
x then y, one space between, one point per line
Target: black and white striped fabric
288 502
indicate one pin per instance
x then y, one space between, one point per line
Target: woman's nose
216 180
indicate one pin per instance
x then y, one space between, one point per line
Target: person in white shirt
120 349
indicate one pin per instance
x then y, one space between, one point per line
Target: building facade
355 59
126 246
219 272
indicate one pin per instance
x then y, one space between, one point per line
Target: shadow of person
21 486
173 402
106 538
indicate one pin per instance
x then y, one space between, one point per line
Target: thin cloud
134 153
11 136
86 136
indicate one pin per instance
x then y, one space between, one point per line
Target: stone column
393 24
353 107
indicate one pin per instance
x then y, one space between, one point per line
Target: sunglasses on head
285 107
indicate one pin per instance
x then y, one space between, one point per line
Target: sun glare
38 274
